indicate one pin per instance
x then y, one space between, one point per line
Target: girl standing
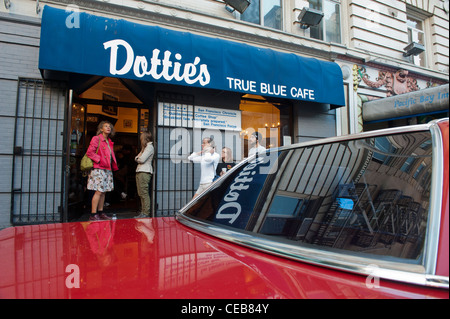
144 172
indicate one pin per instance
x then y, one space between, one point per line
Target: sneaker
94 218
103 216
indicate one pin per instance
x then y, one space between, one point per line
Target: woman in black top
227 162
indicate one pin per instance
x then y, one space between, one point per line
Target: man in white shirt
256 148
208 160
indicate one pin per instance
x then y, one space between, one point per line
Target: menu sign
182 115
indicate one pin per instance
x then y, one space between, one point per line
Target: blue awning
88 44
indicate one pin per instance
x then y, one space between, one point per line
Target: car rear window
367 196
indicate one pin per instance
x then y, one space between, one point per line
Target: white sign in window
183 115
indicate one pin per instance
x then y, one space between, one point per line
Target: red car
359 216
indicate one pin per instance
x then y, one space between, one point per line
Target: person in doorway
256 147
208 159
144 172
227 162
101 152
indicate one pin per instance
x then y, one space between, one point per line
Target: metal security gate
180 130
174 185
38 159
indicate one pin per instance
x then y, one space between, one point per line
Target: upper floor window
329 29
416 33
264 12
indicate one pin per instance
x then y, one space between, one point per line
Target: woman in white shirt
208 160
144 172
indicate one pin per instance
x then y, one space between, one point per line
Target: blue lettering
427 99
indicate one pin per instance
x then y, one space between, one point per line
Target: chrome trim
419 274
437 281
431 244
394 130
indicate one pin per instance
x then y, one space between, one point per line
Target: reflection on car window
367 196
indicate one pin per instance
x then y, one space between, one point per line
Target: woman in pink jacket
101 152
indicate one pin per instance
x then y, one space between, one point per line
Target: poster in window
109 109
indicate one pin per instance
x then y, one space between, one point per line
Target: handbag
86 163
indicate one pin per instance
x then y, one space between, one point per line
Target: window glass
270 119
385 147
272 13
329 29
316 32
332 22
408 164
416 34
419 170
252 13
264 12
332 196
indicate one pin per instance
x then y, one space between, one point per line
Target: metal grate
38 160
175 176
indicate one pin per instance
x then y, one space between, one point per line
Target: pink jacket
102 158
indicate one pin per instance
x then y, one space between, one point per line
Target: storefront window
271 120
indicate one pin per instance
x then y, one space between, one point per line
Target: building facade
183 70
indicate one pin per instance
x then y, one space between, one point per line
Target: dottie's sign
155 67
118 48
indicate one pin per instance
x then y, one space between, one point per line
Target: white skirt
100 180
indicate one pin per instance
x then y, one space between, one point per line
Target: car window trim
435 210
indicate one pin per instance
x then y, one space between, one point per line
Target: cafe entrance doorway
109 99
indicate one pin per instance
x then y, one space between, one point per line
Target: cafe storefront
180 87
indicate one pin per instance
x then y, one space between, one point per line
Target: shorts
202 188
100 180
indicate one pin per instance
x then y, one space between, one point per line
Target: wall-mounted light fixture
309 17
239 5
413 48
